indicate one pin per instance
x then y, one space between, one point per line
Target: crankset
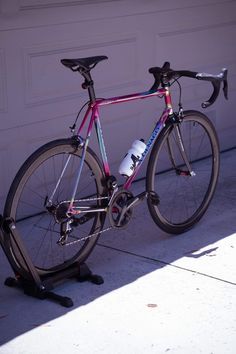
121 208
119 213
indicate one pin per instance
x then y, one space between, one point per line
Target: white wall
39 97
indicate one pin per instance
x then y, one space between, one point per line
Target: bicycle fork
181 148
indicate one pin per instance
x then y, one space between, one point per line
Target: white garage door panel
3 82
47 80
5 170
39 98
190 48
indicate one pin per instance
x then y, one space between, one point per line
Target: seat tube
78 174
86 142
101 141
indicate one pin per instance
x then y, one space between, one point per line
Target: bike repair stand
29 280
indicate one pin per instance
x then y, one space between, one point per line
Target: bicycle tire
38 229
183 199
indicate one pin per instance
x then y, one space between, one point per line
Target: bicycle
62 194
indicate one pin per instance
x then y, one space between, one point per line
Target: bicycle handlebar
165 74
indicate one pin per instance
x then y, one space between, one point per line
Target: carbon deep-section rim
183 198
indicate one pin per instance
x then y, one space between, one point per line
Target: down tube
156 131
101 143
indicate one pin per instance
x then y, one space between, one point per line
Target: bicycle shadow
122 257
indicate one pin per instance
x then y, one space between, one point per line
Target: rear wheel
40 223
183 198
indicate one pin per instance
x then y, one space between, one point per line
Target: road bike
62 194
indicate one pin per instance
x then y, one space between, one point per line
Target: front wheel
184 187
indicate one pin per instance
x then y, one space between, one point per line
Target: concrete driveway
162 294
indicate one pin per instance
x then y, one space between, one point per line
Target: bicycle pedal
154 198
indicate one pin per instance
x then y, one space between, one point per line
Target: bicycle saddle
85 63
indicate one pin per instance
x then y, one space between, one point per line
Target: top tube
127 98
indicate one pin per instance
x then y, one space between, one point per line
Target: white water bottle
132 158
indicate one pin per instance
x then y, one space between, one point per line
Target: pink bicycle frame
93 112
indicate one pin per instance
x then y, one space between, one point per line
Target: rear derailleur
67 223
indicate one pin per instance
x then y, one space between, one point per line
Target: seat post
83 66
88 85
91 92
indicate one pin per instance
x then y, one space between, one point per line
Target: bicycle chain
95 233
87 200
85 238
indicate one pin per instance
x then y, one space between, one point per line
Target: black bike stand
30 281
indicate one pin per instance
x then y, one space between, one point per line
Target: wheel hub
59 211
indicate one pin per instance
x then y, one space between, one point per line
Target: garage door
39 98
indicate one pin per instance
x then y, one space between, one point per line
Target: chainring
118 216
